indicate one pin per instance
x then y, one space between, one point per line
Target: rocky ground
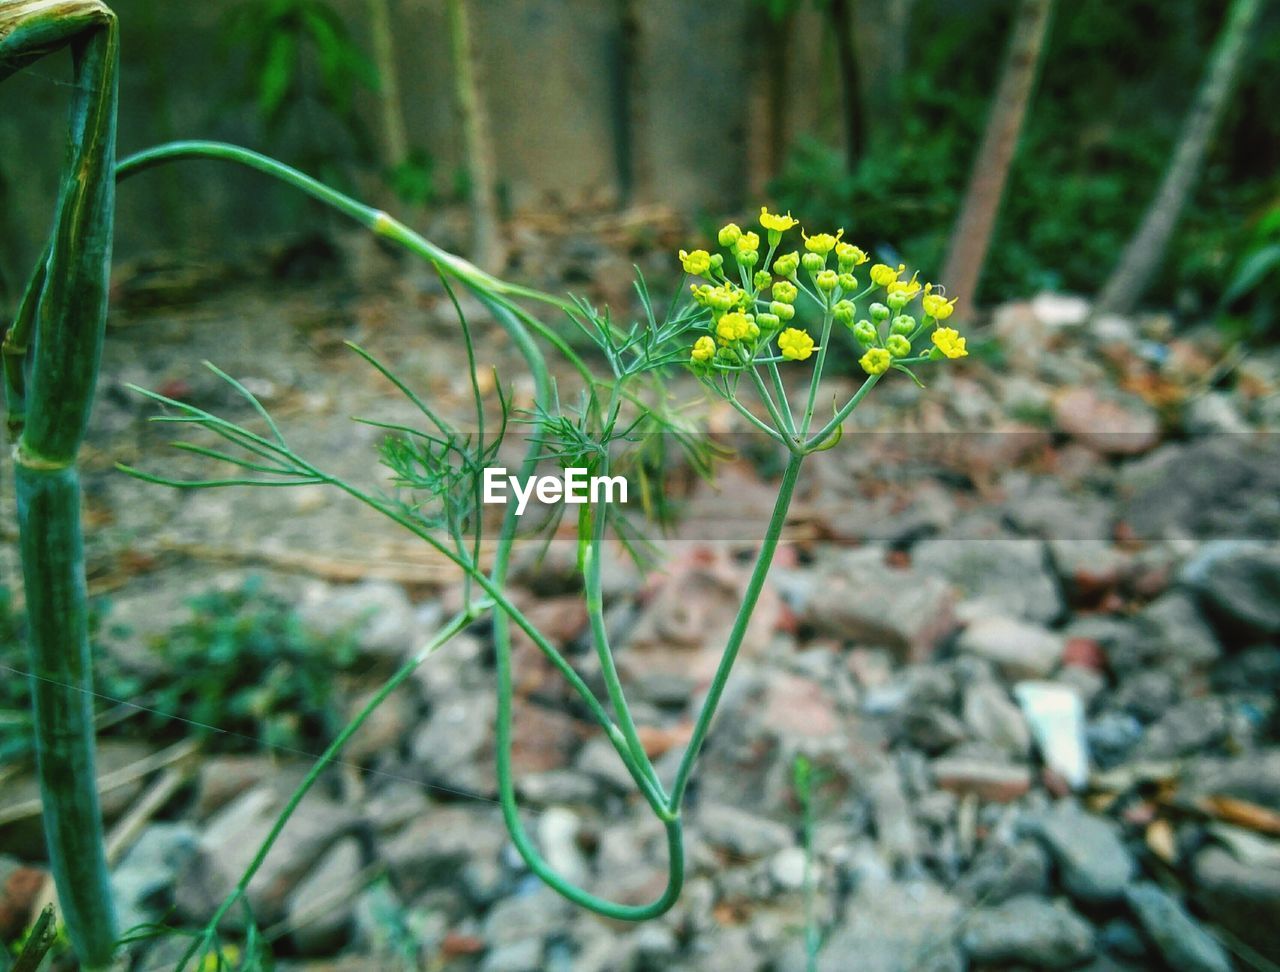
1025 628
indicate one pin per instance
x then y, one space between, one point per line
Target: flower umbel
794 344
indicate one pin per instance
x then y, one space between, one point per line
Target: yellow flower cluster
747 317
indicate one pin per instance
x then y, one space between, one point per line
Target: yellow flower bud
703 349
949 342
821 243
827 281
850 256
784 311
813 262
785 265
762 279
785 291
938 307
898 346
794 344
729 234
848 282
876 361
747 241
697 263
844 311
882 275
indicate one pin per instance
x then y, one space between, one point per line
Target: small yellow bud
850 256
938 307
795 345
747 241
785 265
950 342
813 262
879 312
697 263
785 291
784 311
844 311
821 243
774 222
762 279
866 333
898 346
876 361
729 234
882 275
827 281
704 349
848 282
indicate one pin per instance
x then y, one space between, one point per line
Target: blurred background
1010 698
866 114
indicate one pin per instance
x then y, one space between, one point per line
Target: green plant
301 67
752 312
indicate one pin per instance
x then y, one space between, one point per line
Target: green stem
773 532
62 697
829 429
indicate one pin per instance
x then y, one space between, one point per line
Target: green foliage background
1116 81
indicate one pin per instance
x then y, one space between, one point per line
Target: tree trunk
1143 253
395 142
488 250
971 238
851 106
880 29
768 134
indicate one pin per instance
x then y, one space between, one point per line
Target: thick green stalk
773 533
55 396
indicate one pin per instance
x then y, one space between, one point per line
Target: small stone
1118 425
379 613
1213 413
1239 580
995 719
1112 737
1242 896
857 596
1029 931
1004 871
787 869
524 956
996 782
894 927
142 884
1017 648
1093 864
1191 726
739 832
1055 713
322 906
1177 936
1007 576
558 837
